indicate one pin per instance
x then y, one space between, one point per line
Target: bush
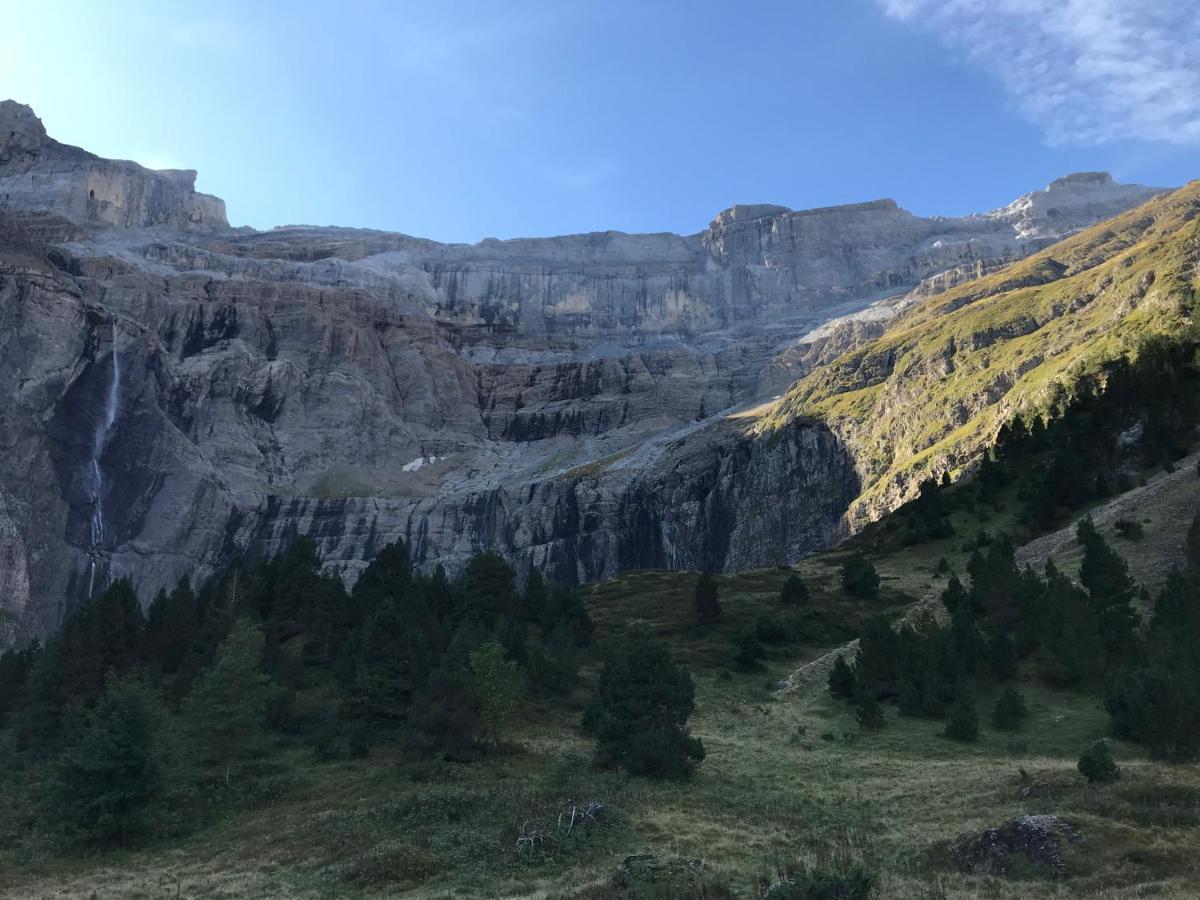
851 882
1009 711
1097 765
1130 529
962 724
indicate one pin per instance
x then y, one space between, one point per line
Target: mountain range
177 391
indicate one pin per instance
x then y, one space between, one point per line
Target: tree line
1086 634
147 717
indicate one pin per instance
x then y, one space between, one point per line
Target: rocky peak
1070 204
1081 180
21 131
39 174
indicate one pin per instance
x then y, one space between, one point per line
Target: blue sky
459 121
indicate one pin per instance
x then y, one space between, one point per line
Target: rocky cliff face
177 391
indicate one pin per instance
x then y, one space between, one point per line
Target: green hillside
930 393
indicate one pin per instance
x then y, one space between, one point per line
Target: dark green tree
1072 650
1106 577
794 592
496 680
869 713
1097 765
113 765
1009 711
535 596
962 724
227 708
1192 544
445 713
391 658
750 652
639 713
859 578
842 681
554 661
564 606
708 603
489 589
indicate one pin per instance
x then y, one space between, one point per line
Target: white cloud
1085 71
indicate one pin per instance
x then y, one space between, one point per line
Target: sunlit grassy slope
933 390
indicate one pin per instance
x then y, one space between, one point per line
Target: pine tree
842 681
962 724
535 597
1097 765
708 604
955 595
750 652
859 578
554 661
388 577
877 663
446 712
794 592
113 765
497 683
565 606
227 708
100 640
390 658
489 588
1106 577
1192 545
1009 711
1072 650
639 713
869 713
171 629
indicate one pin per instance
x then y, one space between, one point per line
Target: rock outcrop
176 391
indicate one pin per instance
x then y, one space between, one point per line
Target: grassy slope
933 390
789 776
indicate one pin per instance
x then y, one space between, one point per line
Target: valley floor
789 777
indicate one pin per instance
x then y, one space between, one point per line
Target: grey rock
575 402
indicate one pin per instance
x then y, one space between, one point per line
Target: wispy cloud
1085 71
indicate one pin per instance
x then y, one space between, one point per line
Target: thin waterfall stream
96 475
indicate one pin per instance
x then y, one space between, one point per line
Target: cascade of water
95 475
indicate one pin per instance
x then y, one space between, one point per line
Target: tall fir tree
708 602
227 708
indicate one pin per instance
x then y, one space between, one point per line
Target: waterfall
95 475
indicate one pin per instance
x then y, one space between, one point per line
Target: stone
1037 838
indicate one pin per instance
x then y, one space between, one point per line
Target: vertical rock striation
176 391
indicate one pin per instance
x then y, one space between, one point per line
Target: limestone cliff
176 391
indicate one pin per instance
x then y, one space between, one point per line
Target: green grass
935 388
789 778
